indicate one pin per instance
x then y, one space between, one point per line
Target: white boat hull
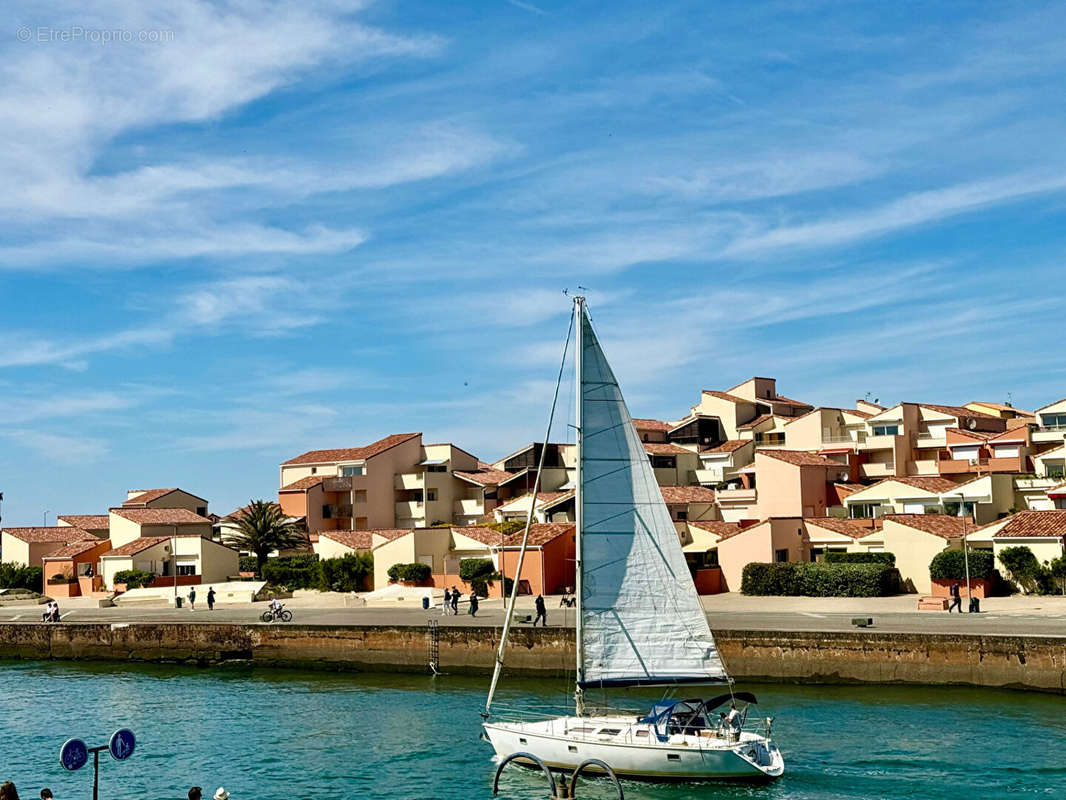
636 752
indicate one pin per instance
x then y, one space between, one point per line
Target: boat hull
635 752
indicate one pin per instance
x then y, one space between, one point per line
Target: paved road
1053 623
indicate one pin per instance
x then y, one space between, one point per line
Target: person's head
195 793
221 794
46 794
732 704
7 791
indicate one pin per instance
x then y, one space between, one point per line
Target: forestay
642 623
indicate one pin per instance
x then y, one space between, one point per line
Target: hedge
345 574
16 576
836 557
819 579
134 578
415 573
293 572
950 565
471 568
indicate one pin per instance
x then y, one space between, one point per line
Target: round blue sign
73 754
121 744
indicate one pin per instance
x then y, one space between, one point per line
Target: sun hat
221 794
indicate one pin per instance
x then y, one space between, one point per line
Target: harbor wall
1022 662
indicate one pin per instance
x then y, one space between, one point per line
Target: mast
579 347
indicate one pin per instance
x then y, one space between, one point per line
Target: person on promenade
455 602
7 791
221 794
46 614
192 599
196 793
445 607
211 599
473 604
956 598
542 612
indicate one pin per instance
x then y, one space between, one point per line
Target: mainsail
641 619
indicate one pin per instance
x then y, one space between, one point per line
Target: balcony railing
337 484
836 438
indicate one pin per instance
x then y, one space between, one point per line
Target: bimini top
678 716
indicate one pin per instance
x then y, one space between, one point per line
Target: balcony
736 495
336 511
876 469
413 508
927 466
836 438
468 508
337 484
1049 433
709 477
961 466
885 441
926 439
410 480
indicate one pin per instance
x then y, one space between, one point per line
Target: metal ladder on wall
433 646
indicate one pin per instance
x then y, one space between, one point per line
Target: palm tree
262 527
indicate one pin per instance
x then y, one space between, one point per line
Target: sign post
74 754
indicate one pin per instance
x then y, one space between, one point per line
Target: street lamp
965 546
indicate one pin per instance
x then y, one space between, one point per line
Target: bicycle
270 616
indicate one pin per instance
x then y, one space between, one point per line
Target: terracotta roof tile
76 548
687 494
357 540
351 453
665 449
957 411
387 533
161 516
485 476
728 446
928 483
480 533
540 533
136 546
1051 524
143 496
844 526
303 484
717 527
87 522
945 526
58 533
977 436
642 424
801 458
732 398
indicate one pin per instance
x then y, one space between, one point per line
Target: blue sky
305 225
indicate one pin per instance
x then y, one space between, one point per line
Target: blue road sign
73 754
121 744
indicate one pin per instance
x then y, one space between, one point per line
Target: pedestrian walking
542 612
196 793
473 604
956 598
192 599
211 599
446 605
7 791
455 601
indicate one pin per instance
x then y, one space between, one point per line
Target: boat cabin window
582 730
642 733
610 731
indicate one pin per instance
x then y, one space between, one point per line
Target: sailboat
639 620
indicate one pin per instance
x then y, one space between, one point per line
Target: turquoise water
272 734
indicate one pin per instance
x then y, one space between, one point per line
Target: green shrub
508 526
134 578
293 572
1023 568
415 573
472 568
345 574
819 579
836 557
59 579
480 584
17 576
950 565
248 564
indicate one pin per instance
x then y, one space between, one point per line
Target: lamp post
965 547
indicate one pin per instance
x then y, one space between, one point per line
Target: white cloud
58 448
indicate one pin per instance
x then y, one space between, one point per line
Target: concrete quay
1034 662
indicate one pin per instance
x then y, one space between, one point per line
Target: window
682 516
886 430
314 470
1054 422
186 569
327 512
710 558
781 556
201 510
431 494
864 510
347 472
437 468
664 462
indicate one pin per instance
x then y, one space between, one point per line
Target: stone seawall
1023 662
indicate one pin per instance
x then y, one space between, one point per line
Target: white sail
641 619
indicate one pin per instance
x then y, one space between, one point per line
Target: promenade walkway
1005 616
